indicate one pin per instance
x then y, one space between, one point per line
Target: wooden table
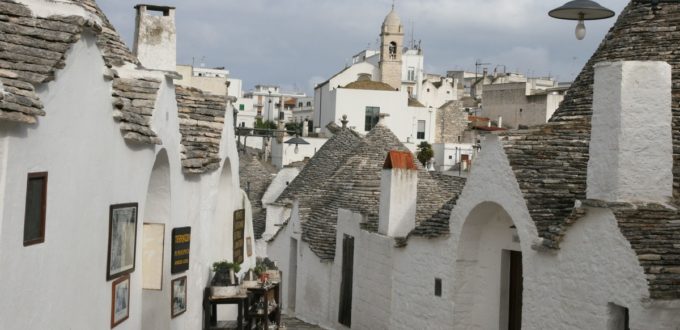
210 309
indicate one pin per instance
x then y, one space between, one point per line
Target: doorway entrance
488 271
292 276
515 291
345 310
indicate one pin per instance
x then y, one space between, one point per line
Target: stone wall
450 123
201 120
134 102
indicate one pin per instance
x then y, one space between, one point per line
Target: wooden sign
181 241
239 231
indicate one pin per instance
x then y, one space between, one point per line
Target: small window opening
36 207
393 50
438 287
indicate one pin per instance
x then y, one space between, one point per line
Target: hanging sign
181 241
239 231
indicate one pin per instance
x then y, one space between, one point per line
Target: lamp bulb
580 30
297 149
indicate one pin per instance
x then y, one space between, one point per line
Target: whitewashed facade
61 283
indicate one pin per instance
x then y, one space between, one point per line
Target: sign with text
181 241
239 231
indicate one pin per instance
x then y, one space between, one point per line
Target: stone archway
488 274
156 247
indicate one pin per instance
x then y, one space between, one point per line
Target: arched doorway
155 248
488 271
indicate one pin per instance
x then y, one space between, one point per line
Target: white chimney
155 37
398 192
631 150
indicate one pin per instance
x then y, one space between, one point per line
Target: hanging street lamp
296 141
581 10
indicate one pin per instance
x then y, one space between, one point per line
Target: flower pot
225 291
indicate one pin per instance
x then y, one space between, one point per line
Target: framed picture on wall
122 240
120 300
178 303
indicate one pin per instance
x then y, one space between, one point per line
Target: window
393 50
438 287
241 107
36 205
411 74
299 104
372 117
309 103
421 130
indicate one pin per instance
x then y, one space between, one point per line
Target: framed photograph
178 302
122 240
120 300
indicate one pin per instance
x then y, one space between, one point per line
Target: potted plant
224 282
261 271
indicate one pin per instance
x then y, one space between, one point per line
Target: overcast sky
298 43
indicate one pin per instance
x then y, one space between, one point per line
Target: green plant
425 152
225 266
222 276
295 127
259 269
265 124
262 265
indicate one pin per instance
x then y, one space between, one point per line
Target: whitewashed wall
61 283
283 154
323 111
313 275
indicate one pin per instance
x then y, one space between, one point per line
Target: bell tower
392 41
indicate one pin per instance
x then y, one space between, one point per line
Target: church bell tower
392 41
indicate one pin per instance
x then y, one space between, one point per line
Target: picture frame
178 297
122 240
120 300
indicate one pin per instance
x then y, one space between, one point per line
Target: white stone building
269 102
528 103
399 70
569 225
106 127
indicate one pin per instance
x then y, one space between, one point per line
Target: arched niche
156 247
488 271
227 196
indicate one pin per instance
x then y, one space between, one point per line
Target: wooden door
515 292
345 310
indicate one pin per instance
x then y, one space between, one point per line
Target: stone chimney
305 128
398 192
155 37
631 150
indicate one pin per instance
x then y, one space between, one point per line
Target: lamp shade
581 10
296 140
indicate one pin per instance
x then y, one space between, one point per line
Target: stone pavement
295 324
